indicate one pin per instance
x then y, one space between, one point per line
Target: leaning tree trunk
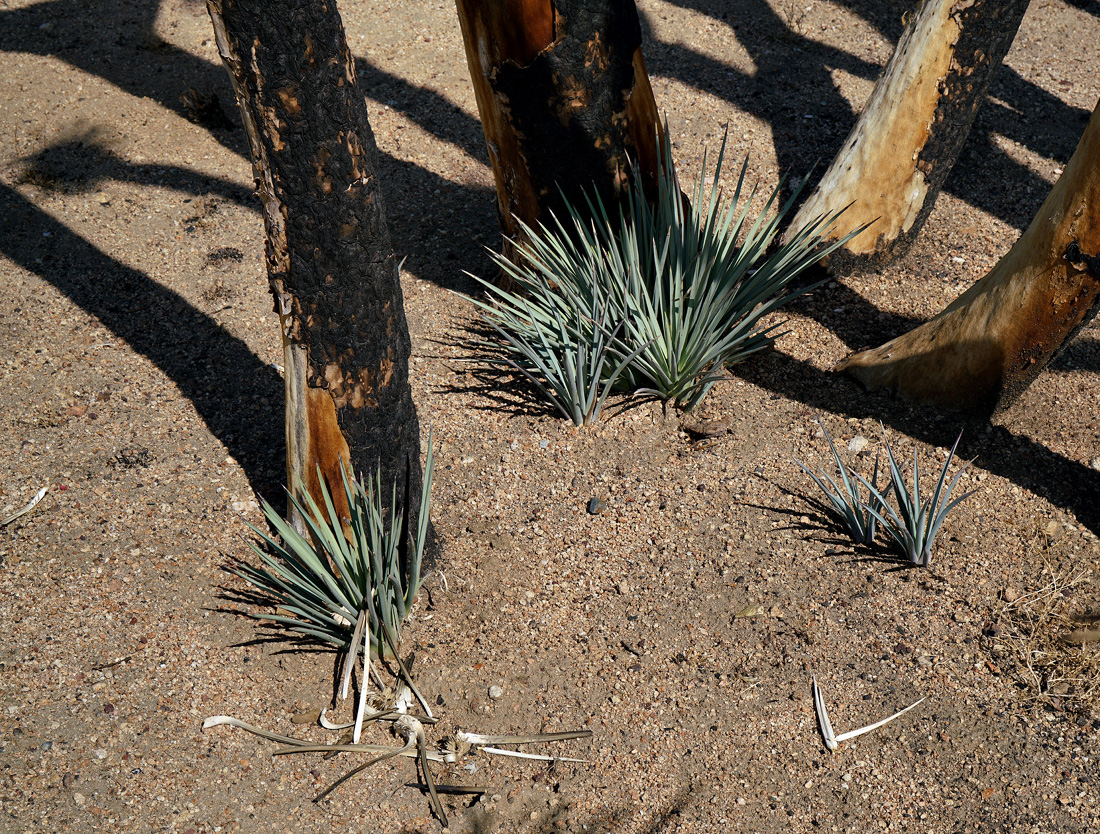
329 259
564 99
985 348
909 135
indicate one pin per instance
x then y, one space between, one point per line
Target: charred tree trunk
329 260
909 135
564 99
985 348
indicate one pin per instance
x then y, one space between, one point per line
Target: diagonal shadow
425 107
195 352
792 69
1090 6
84 161
1068 484
440 223
132 58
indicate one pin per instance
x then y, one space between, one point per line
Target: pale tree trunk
564 99
329 259
897 157
985 348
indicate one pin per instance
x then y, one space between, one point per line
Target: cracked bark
897 157
988 345
564 99
330 263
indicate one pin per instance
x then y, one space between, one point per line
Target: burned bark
564 99
987 346
897 157
330 263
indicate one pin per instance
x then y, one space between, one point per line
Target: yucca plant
917 520
660 296
560 342
846 504
349 582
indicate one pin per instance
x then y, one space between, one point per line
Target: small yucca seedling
846 504
350 582
917 521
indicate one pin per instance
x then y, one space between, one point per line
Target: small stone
924 660
903 648
596 505
495 692
1010 594
100 753
543 444
76 410
78 798
857 444
503 542
754 610
623 588
47 745
68 779
1095 464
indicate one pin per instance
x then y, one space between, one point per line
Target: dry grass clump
1055 644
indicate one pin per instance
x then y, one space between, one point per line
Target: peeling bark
564 99
897 157
987 346
330 263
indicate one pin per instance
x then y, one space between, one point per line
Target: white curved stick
832 741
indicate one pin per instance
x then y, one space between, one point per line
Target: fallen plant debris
26 509
832 741
1053 645
392 706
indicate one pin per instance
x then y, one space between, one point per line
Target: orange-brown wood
892 165
564 100
987 346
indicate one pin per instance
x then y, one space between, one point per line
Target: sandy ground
142 384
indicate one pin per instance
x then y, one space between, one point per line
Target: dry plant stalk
1059 660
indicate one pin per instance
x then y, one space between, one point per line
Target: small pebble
78 798
495 692
1010 594
543 444
1095 463
47 745
596 505
924 660
857 444
100 753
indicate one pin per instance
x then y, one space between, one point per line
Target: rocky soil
681 625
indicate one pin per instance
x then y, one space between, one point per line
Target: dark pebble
109 708
902 648
596 505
